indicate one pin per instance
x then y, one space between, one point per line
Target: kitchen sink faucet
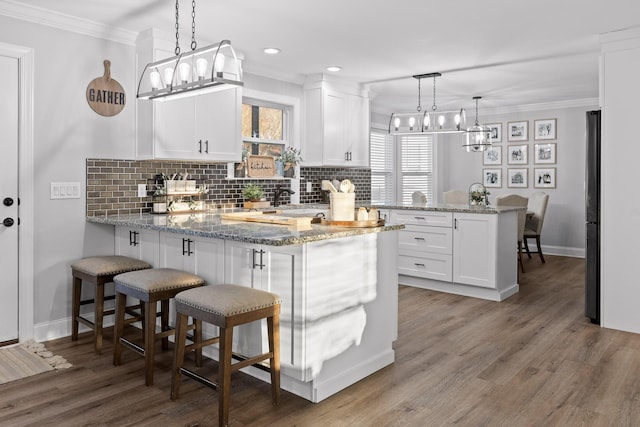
279 191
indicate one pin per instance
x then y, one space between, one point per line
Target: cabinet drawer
431 218
426 239
427 265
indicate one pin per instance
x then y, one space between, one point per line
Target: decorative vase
290 170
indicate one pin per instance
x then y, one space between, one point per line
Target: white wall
620 213
66 132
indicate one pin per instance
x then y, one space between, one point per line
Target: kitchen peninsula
338 285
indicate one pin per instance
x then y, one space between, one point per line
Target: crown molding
66 22
558 105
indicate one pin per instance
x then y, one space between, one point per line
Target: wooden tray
354 224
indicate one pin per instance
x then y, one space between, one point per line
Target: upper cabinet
336 124
205 127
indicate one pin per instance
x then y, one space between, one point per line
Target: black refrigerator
592 200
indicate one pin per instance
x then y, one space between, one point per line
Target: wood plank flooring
532 360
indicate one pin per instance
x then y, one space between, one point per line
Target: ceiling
511 52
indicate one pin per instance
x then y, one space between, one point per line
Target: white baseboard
560 251
62 328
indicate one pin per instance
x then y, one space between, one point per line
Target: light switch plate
142 190
65 190
309 187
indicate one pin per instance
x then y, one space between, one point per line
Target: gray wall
66 131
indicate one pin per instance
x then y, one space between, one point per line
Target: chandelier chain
434 107
419 106
177 50
193 25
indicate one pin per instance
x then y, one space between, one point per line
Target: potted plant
290 157
253 194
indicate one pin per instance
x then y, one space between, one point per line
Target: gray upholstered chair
518 201
455 197
533 227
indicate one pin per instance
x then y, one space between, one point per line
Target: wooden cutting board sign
105 95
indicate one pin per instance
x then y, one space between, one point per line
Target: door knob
8 222
8 201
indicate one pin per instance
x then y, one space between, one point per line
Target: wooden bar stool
227 306
98 271
150 287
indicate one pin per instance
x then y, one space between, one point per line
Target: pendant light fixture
424 122
191 73
478 137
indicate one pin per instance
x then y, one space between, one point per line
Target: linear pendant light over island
191 73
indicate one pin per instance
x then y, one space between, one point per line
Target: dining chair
538 205
455 197
518 201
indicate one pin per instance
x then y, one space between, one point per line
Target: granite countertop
210 224
452 208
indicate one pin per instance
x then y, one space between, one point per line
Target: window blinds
381 153
416 166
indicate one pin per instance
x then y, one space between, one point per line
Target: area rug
27 359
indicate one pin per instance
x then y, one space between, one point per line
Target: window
416 166
400 167
382 160
264 127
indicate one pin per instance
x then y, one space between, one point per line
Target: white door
9 199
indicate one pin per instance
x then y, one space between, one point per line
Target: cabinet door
218 125
357 130
138 243
175 136
174 250
208 258
334 152
474 249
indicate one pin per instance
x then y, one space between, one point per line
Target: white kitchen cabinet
274 269
336 126
474 249
138 243
205 127
464 253
425 245
201 256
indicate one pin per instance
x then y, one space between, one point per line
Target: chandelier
477 137
425 122
192 73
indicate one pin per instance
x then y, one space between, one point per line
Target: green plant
291 155
253 192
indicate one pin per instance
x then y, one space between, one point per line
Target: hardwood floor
530 360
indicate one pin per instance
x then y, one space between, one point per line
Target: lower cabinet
474 254
198 255
270 268
138 243
455 247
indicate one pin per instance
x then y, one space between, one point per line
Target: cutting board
269 218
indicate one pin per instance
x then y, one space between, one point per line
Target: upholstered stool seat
149 286
227 306
99 271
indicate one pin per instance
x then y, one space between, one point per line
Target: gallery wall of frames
523 155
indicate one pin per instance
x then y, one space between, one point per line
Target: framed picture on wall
492 178
496 131
492 156
517 178
544 153
544 178
518 131
517 154
544 129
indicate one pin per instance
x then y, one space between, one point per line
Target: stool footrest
251 361
202 380
92 301
86 322
201 344
133 346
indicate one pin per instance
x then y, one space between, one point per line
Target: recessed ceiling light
271 50
334 68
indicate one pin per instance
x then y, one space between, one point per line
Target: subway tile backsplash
112 184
